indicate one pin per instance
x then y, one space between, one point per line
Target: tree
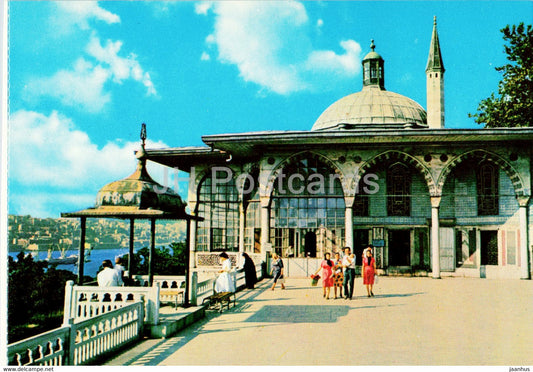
167 261
35 296
513 107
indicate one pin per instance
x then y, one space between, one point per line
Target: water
89 268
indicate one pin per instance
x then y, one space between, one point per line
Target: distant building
374 168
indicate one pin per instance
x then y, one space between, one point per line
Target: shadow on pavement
299 314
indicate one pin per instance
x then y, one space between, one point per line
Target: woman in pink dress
327 274
369 271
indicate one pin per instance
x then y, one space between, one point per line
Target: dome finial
372 46
434 20
143 134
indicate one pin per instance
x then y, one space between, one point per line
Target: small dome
141 191
374 107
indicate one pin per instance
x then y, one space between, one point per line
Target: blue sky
83 76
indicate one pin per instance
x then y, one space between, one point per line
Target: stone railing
83 342
164 281
212 259
86 302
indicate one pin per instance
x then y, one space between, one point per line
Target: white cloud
203 7
205 57
48 151
270 44
79 13
328 60
320 23
121 68
84 84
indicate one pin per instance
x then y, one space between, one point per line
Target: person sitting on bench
224 282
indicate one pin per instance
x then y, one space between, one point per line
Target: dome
372 107
141 191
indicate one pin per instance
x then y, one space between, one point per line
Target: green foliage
35 296
513 106
167 261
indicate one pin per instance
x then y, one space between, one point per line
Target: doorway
489 247
360 242
399 247
310 244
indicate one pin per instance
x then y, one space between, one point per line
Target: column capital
265 201
435 201
523 200
348 201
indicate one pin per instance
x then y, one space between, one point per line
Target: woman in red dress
369 271
327 274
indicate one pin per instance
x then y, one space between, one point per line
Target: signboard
268 247
378 242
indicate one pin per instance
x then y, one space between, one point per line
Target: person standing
327 274
224 281
369 271
338 276
107 277
120 270
250 275
277 270
348 262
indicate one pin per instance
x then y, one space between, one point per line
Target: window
487 189
219 205
398 190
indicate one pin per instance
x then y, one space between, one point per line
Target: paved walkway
410 321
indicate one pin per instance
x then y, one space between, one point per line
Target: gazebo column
524 237
188 265
192 238
130 255
81 256
435 243
152 253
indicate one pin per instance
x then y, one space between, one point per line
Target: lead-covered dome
373 106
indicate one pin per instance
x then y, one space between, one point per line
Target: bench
219 300
174 295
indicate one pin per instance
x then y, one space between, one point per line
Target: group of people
224 281
111 276
340 273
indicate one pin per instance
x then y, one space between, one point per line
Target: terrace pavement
410 321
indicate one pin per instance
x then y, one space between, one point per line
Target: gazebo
136 197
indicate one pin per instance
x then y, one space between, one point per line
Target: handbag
314 280
376 280
281 279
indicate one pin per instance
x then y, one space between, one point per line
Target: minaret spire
435 82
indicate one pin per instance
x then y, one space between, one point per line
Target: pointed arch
483 155
301 155
394 155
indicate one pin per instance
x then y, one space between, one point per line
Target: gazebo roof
136 196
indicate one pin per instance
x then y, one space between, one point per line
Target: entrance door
399 247
360 242
447 248
310 244
489 247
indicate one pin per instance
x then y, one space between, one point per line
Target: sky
84 75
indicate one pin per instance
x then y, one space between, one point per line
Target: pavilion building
375 168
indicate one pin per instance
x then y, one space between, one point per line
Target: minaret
435 82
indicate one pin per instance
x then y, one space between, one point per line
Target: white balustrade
83 342
86 302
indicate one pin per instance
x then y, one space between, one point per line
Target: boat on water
62 259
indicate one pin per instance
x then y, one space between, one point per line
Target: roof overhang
249 143
184 158
129 212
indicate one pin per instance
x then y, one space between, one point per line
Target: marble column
524 237
242 220
435 244
348 227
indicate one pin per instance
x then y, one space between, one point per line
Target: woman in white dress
224 281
